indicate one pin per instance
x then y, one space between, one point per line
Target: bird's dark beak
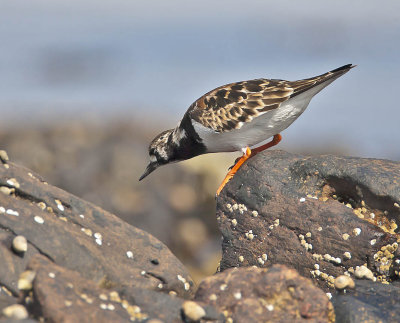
150 168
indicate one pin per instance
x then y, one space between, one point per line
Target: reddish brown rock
275 294
322 215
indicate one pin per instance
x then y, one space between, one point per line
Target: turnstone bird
235 117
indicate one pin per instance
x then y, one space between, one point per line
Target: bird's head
160 152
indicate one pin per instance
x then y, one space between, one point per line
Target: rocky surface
77 236
322 215
74 262
368 302
62 295
275 294
101 163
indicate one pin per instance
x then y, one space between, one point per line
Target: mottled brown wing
229 106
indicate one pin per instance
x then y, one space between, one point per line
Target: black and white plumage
236 116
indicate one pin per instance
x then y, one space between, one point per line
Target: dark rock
369 302
275 294
301 218
80 236
101 162
62 295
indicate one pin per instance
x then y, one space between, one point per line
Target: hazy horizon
155 58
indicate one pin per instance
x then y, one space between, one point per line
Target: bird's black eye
151 151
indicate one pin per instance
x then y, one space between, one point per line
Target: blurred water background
84 86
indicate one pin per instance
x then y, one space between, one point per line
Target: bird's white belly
259 129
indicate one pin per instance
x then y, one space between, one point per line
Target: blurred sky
154 58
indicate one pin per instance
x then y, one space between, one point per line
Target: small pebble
241 258
4 156
103 297
270 307
81 216
193 311
59 205
308 234
181 279
347 255
19 244
42 205
213 297
254 213
363 272
345 236
52 275
343 282
15 312
2 209
6 190
234 222
357 231
373 241
237 295
88 232
129 254
25 280
303 199
99 241
396 205
337 260
329 295
13 182
12 212
38 219
114 296
186 286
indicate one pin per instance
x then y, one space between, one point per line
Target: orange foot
249 153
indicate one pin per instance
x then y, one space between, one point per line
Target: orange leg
249 153
234 169
277 138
